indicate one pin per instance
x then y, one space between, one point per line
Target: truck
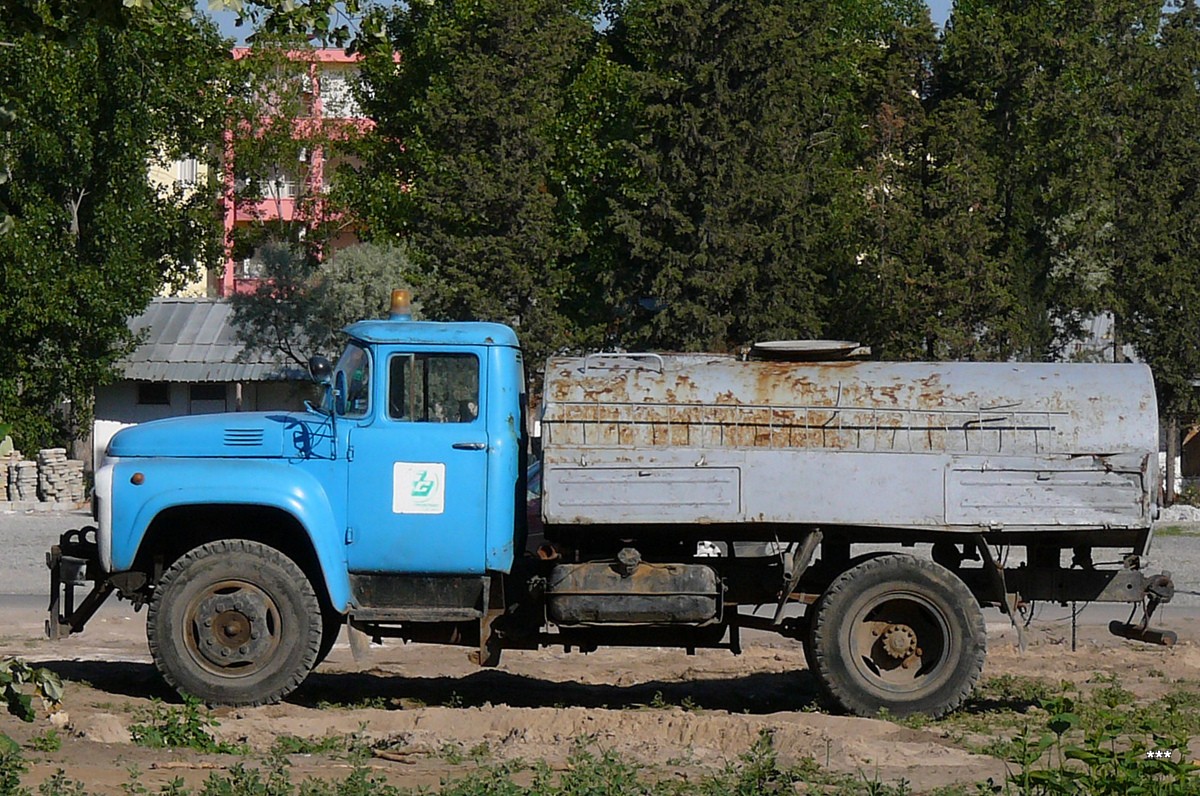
870 510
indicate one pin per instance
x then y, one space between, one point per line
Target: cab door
417 493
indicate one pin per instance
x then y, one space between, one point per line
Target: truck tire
900 633
331 625
234 622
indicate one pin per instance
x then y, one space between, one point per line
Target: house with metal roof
189 362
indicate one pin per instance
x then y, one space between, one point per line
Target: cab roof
433 333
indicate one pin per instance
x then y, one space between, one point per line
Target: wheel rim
898 643
232 628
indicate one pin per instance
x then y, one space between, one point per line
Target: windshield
354 371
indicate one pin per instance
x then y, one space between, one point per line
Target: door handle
469 446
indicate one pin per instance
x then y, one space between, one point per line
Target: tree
466 162
330 20
1159 186
744 136
300 307
926 283
969 305
1052 82
93 240
334 21
337 22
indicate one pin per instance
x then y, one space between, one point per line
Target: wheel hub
899 642
232 629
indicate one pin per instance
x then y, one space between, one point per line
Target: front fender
172 483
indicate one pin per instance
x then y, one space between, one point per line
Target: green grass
1177 530
332 744
366 703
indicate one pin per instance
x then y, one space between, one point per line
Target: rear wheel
900 633
234 622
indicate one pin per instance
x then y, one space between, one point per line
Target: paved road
24 538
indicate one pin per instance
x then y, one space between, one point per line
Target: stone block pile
52 478
60 480
6 461
22 480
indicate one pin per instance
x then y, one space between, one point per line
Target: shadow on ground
753 693
119 678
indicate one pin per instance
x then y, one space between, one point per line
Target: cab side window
433 388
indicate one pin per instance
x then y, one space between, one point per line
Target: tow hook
73 562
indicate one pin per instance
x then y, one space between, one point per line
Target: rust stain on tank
931 391
890 393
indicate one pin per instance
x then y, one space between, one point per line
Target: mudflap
74 563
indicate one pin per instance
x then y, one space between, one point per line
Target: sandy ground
679 715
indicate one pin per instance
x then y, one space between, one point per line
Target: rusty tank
950 447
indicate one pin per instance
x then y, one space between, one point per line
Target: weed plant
48 741
12 766
1102 747
17 678
1063 740
185 726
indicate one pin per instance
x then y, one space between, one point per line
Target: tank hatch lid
809 350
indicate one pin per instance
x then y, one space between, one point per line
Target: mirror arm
333 452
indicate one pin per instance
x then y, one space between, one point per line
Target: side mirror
339 393
320 369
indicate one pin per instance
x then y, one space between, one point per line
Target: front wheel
899 633
332 624
234 622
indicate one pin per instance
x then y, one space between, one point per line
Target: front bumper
74 563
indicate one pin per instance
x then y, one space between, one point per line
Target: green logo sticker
418 488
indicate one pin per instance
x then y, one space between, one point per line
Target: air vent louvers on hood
243 437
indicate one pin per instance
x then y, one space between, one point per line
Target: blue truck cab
252 537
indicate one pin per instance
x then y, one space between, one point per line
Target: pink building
295 193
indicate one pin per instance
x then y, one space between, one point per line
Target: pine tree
744 133
925 283
1050 80
1159 184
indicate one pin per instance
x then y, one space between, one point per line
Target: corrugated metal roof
192 340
